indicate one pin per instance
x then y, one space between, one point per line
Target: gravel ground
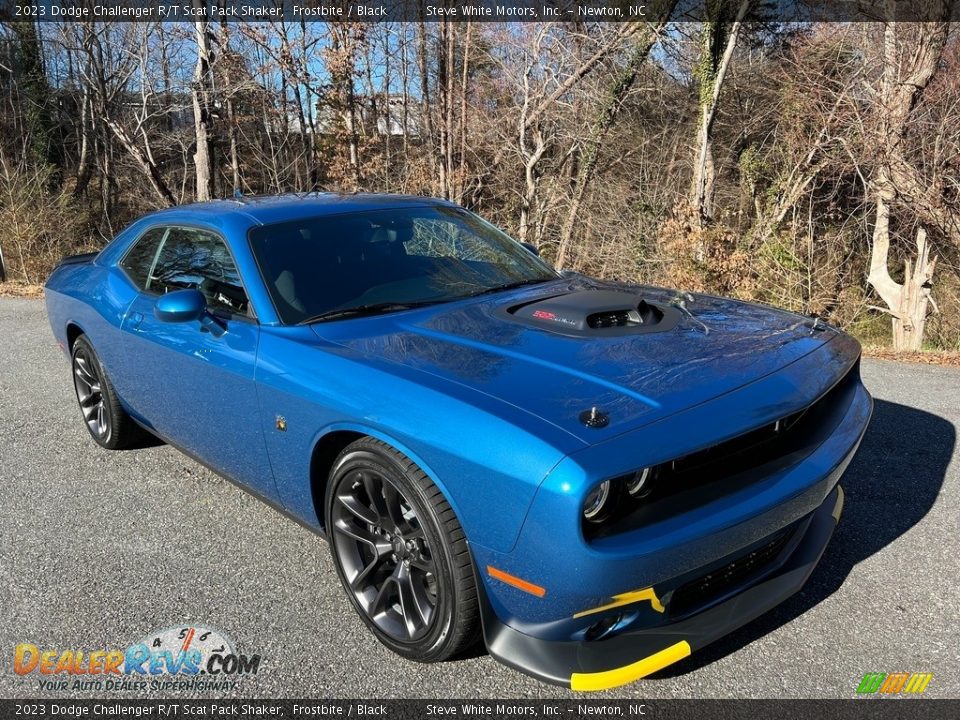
100 547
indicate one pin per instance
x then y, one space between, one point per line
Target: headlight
640 484
597 504
603 501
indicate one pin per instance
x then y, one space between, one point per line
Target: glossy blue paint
180 306
665 554
174 364
488 407
458 434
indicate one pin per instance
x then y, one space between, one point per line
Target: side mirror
532 248
180 306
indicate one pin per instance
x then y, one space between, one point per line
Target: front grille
706 475
752 440
719 582
757 443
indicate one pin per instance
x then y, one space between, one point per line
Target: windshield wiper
364 310
510 286
388 307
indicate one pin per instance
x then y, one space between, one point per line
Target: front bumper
762 542
629 656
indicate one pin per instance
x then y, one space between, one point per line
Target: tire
104 417
401 554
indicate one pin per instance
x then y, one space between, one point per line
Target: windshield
387 260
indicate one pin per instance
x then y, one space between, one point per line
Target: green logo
894 683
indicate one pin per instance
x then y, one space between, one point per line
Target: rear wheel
106 420
401 554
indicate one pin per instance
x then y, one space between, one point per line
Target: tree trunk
202 111
906 73
528 201
388 112
84 165
426 106
531 161
231 112
908 328
906 302
35 96
444 73
351 119
712 72
146 165
234 156
405 109
448 110
460 189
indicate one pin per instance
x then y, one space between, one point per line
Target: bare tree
35 93
719 39
341 58
201 94
911 57
107 71
606 116
552 65
814 165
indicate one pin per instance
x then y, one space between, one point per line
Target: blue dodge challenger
595 478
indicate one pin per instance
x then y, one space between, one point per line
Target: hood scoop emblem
596 313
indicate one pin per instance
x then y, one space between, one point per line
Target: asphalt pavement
100 548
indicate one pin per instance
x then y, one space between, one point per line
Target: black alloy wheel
89 387
105 418
400 553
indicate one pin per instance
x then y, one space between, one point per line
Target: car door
194 380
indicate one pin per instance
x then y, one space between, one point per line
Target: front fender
486 463
385 437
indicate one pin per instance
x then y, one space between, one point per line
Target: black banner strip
602 11
874 708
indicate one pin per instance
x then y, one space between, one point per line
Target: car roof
264 209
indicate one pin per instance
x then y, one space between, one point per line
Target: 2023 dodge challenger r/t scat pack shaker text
595 478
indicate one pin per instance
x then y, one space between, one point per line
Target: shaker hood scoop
595 313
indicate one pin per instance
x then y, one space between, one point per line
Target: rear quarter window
140 259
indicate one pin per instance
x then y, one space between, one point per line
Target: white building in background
391 122
389 117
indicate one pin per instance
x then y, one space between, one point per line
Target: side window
139 260
191 258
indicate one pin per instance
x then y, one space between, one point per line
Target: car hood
711 347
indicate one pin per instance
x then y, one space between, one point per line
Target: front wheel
401 554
